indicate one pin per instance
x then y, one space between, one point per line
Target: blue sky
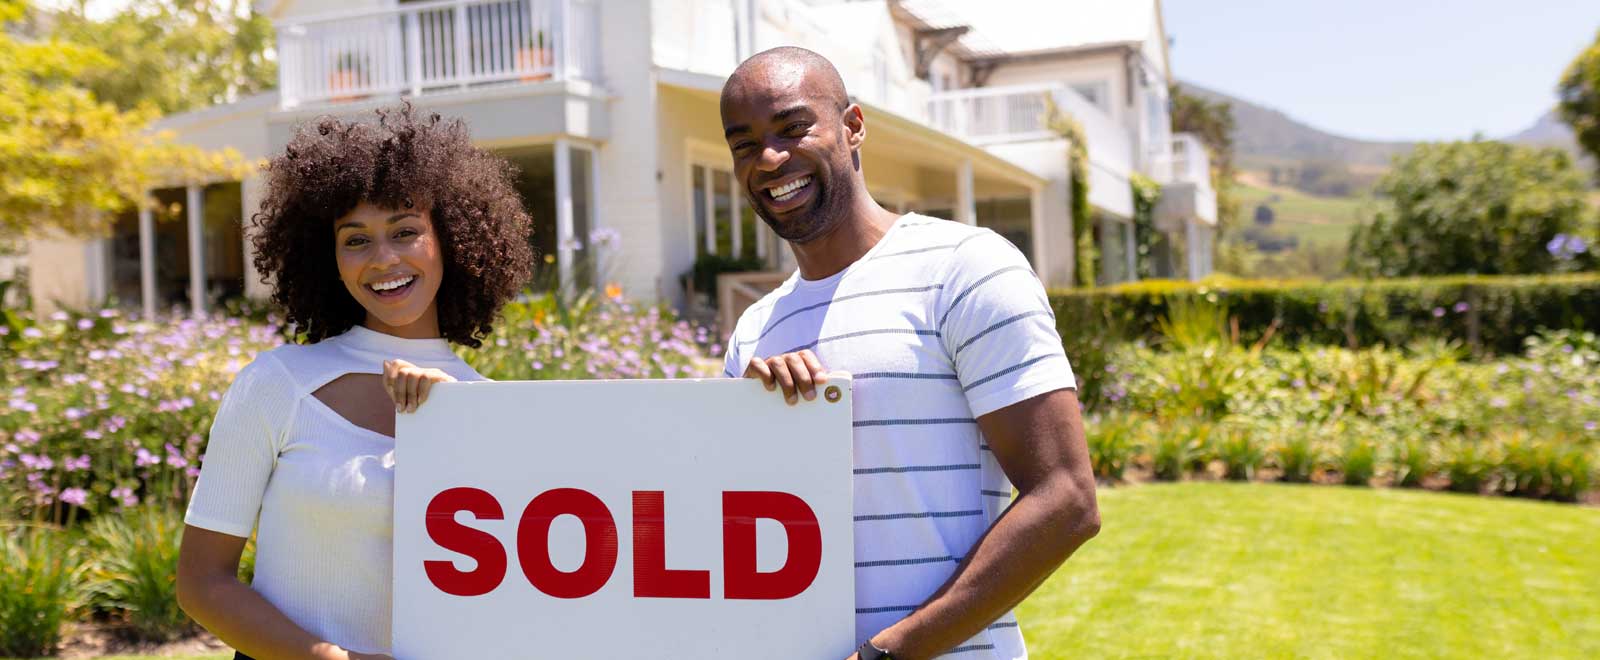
1385 69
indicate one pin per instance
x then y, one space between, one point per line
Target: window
723 223
1098 93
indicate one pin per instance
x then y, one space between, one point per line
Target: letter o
600 543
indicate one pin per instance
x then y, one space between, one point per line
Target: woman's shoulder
287 366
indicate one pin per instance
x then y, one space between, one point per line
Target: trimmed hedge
1490 315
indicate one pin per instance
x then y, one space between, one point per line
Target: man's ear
855 125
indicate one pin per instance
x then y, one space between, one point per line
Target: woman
382 240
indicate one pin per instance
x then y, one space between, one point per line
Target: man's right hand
798 374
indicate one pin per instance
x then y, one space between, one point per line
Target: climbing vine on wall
1146 192
1061 123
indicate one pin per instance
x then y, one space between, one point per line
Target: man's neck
829 254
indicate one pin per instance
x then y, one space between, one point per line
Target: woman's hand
369 656
408 384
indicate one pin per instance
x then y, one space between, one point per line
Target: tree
175 54
67 159
1480 207
1213 123
1580 97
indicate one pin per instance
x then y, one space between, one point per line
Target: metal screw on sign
832 394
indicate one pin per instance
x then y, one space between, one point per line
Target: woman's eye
355 241
405 233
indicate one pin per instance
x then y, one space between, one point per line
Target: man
961 387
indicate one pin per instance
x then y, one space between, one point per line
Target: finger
818 374
413 383
422 390
388 379
758 369
802 376
780 373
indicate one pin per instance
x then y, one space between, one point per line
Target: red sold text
651 577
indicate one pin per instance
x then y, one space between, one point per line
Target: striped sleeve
246 437
731 362
997 326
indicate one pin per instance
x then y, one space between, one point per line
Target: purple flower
1438 312
85 324
32 333
1462 307
76 464
1591 426
143 457
75 496
124 495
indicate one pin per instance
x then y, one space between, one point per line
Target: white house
609 107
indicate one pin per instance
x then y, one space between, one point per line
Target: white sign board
637 519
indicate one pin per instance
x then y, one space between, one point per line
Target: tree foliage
67 159
174 54
1580 97
1213 123
1479 207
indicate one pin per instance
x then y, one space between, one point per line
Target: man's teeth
787 191
392 284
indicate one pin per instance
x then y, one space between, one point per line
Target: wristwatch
870 652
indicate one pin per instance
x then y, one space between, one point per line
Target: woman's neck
425 327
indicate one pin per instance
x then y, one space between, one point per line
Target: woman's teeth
787 191
391 285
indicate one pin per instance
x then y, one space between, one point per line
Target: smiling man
961 386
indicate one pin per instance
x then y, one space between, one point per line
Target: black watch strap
870 652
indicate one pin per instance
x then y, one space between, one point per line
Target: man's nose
772 159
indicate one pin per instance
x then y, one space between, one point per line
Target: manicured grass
1263 570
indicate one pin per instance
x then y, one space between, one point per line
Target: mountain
1547 131
1264 135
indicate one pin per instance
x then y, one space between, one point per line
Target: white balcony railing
1190 162
993 115
417 48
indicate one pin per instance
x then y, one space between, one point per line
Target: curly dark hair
330 166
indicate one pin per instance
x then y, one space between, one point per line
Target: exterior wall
629 162
66 272
1104 67
689 130
1055 238
281 9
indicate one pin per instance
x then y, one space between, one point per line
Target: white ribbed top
323 487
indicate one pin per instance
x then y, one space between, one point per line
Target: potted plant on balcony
536 59
349 73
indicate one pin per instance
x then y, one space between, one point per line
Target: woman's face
390 261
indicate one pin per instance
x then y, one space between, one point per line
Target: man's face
791 153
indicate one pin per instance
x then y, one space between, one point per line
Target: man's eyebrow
736 128
785 114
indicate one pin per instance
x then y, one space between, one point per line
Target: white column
601 266
1041 263
711 210
734 218
147 262
564 236
197 251
250 191
966 206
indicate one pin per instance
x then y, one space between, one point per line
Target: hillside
1265 135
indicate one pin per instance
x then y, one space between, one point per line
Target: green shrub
1113 443
1240 451
1413 462
1357 461
39 573
1297 456
1571 472
1525 466
1493 314
134 572
1469 464
1171 454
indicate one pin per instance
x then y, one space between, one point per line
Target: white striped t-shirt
938 324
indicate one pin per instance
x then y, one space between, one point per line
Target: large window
724 224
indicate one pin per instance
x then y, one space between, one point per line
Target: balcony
428 47
1186 162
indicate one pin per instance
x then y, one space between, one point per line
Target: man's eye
743 147
796 130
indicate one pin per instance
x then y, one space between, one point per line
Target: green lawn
1310 217
1263 570
1259 570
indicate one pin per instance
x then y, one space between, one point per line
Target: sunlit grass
1266 570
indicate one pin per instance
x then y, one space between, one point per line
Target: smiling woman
384 241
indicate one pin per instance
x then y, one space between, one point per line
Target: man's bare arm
1039 443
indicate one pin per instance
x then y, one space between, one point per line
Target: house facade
609 109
